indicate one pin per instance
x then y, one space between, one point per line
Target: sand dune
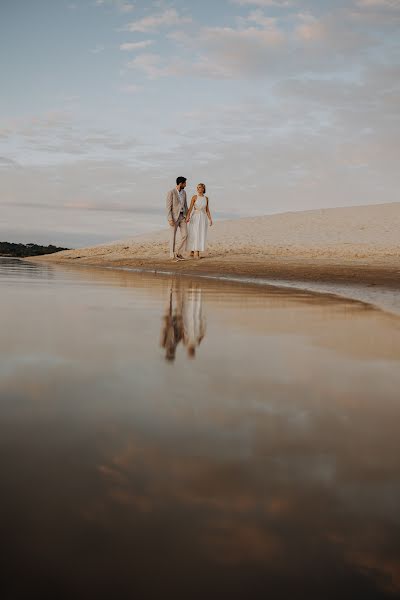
340 233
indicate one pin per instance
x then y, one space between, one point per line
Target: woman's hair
202 185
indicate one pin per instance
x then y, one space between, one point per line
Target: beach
336 249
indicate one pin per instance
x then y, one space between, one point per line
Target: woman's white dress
198 225
194 323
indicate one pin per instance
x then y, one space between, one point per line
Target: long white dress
194 323
198 226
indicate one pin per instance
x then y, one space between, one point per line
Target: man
176 214
172 329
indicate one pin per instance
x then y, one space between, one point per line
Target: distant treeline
20 250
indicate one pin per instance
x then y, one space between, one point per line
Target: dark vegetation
21 250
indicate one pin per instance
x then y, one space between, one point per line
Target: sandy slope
366 232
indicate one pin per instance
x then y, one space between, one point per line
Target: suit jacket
174 205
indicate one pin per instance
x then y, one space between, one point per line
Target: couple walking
197 216
183 320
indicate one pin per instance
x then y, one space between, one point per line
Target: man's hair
180 180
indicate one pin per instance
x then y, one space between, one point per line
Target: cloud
168 18
234 53
390 4
219 52
33 125
129 46
268 35
124 7
131 88
149 64
263 3
7 163
6 132
263 47
310 29
259 18
376 13
54 138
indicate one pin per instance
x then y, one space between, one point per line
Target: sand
350 245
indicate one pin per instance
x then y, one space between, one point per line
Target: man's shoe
180 257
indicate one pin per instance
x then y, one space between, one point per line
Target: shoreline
352 252
375 283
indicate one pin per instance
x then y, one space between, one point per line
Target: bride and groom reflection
183 320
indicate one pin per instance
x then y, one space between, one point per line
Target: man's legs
183 231
172 240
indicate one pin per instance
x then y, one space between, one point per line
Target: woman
194 323
198 223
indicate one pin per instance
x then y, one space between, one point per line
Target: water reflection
20 269
183 319
267 467
194 322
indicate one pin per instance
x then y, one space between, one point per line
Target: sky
277 105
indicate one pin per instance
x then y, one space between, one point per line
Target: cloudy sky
276 105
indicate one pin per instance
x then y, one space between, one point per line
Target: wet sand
376 282
325 250
376 272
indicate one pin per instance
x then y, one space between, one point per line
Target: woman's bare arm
208 213
190 209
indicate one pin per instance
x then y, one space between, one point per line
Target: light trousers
177 246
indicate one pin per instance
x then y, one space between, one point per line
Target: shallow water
197 439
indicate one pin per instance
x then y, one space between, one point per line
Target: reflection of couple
183 321
194 237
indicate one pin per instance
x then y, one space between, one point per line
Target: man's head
181 183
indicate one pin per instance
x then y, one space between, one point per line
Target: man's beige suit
176 215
